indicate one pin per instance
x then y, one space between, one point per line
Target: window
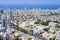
0 17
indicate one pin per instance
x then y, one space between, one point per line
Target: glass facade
0 17
4 23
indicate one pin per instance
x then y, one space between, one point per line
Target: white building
58 35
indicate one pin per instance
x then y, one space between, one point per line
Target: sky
30 2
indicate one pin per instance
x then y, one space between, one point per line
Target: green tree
58 26
52 38
46 29
15 38
29 38
31 32
1 38
23 30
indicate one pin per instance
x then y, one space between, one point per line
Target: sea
22 7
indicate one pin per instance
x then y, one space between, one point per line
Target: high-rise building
1 12
4 24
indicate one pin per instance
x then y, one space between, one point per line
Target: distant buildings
20 24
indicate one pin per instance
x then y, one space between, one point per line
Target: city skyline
29 19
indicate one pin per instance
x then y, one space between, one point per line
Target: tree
15 38
23 30
46 29
56 21
58 26
29 38
52 38
46 23
31 32
1 38
38 21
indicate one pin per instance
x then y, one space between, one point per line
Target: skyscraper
4 24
